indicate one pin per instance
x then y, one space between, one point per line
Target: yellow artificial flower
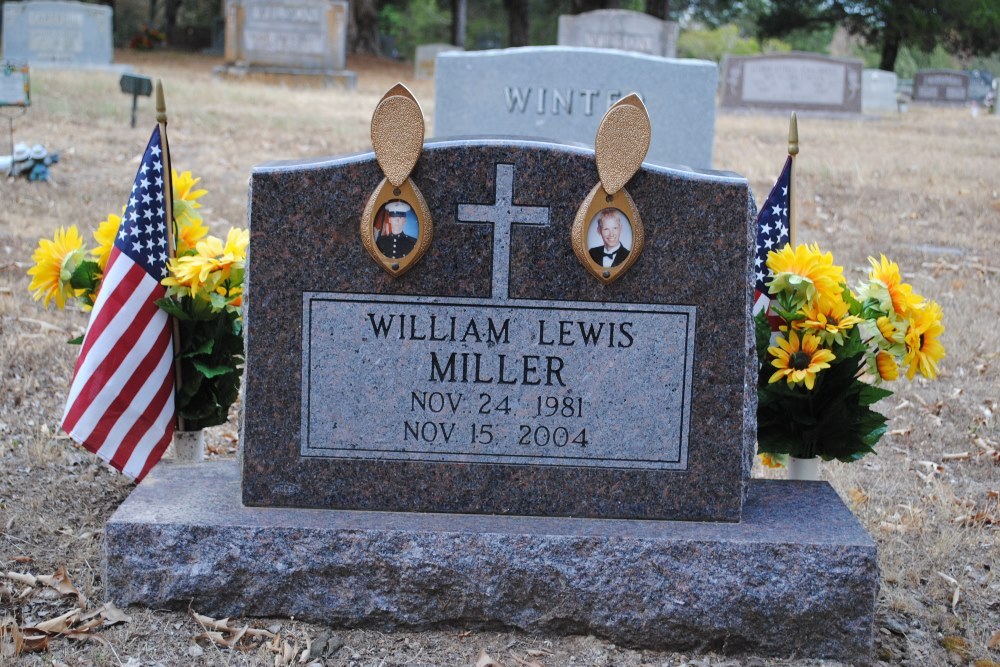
183 186
806 273
211 266
185 205
888 329
55 262
888 370
923 345
828 320
105 237
770 460
901 294
189 232
798 363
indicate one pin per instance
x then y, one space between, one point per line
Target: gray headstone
619 29
297 37
561 93
498 362
57 33
878 91
980 84
426 54
792 82
941 86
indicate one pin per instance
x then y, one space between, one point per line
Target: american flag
121 402
772 234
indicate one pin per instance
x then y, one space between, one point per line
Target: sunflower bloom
190 231
888 329
769 460
923 344
828 320
805 273
888 370
901 294
211 268
799 363
105 237
185 200
55 262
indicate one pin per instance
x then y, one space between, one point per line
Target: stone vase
189 446
805 470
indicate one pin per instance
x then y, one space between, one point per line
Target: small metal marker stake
135 86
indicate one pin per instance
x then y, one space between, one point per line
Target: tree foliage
962 26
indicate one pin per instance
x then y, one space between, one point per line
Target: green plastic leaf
210 372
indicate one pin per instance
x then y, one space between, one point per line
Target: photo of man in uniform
390 238
610 224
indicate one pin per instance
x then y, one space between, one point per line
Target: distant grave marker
619 29
878 91
792 81
284 39
426 55
561 93
941 86
15 86
57 33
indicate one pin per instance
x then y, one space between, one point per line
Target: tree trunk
580 6
890 49
517 16
362 27
658 8
170 17
458 21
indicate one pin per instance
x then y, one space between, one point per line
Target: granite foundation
796 577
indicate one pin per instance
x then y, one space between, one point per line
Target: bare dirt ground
923 188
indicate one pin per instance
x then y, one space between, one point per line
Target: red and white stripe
121 402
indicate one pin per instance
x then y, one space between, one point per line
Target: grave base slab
798 576
289 76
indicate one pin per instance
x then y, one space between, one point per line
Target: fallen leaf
23 560
486 661
22 578
538 652
107 614
60 582
994 641
59 624
858 497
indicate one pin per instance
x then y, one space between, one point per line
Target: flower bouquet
204 287
826 352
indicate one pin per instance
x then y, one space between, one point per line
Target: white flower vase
189 446
805 470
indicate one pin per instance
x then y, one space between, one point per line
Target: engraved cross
503 214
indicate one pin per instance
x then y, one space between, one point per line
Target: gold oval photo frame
597 201
405 192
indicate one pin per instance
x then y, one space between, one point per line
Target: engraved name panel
468 380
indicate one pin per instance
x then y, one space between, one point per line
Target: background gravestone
425 57
57 33
941 86
619 29
792 82
797 575
561 93
295 38
878 91
980 84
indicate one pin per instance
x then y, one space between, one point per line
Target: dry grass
924 188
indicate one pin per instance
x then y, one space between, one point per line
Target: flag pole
793 150
168 197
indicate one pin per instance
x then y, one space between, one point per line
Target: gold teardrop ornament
396 226
608 235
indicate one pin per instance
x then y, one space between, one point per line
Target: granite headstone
941 86
619 29
59 33
343 361
878 91
980 84
425 57
498 362
792 82
561 93
306 38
